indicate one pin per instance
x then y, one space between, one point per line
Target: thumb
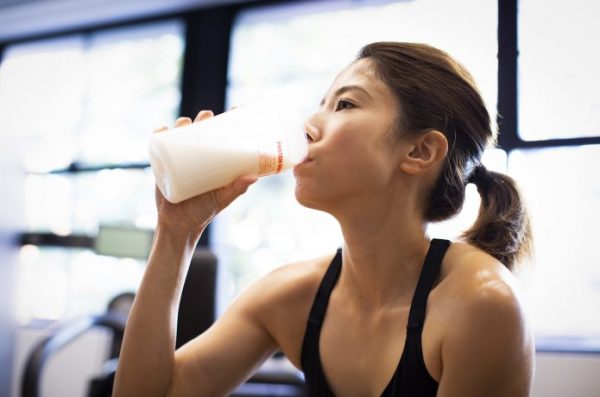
225 195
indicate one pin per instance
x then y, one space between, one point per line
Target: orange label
270 164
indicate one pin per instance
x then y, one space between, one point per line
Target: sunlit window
91 99
563 285
558 69
87 101
77 203
297 50
42 87
557 72
133 87
56 283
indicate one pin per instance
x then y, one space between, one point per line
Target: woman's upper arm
217 361
489 349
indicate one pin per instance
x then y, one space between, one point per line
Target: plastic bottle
260 138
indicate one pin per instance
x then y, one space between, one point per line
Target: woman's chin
305 199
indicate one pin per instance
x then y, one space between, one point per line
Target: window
83 108
297 49
68 203
41 90
56 283
557 79
558 69
563 284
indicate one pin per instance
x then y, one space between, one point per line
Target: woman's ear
424 152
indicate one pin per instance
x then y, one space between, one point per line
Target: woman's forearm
147 356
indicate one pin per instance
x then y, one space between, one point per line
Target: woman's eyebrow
347 88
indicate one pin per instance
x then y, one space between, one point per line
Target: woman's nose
311 129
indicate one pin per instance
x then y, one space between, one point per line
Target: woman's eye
343 104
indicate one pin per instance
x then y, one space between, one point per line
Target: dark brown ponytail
435 92
502 227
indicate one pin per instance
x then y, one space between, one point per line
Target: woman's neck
385 245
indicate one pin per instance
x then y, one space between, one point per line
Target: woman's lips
302 164
306 160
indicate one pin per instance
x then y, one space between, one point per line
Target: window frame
508 114
206 36
207 33
508 130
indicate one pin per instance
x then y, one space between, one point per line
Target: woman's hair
435 92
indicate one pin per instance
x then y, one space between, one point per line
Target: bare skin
476 341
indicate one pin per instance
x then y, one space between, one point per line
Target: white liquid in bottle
250 140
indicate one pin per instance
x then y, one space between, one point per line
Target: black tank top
411 378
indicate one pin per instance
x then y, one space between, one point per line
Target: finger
181 121
243 183
227 194
204 115
161 129
157 193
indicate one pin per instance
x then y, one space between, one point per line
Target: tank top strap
310 360
319 307
427 278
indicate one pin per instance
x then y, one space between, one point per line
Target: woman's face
349 154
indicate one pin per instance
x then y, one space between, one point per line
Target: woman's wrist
177 235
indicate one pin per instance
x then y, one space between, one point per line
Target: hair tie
481 177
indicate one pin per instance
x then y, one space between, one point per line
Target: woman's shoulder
294 280
482 301
469 272
281 301
474 286
289 288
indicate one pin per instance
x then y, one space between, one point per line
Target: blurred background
83 84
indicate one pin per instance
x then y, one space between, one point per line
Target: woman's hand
191 216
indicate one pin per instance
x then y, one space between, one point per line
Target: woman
392 146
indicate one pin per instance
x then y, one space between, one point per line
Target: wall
567 375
